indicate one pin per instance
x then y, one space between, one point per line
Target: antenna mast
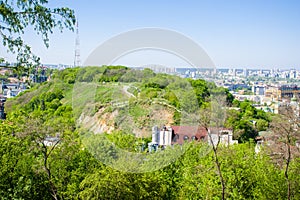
77 62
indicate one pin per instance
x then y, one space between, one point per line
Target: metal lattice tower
77 61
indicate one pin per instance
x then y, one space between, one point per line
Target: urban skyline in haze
235 34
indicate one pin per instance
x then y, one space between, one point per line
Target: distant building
283 92
254 98
234 72
258 89
38 78
10 90
167 136
162 137
293 74
246 72
183 134
221 136
289 91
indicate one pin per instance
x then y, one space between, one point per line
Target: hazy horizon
248 34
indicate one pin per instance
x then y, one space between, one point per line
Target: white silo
155 135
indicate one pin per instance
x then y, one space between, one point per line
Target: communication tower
77 62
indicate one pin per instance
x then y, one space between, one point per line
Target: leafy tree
200 89
137 75
113 73
262 125
19 178
214 116
244 130
285 129
17 15
246 121
91 167
68 75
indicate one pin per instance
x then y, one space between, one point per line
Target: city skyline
252 34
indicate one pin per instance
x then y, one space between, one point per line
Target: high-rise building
246 72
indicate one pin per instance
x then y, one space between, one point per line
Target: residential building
167 136
283 92
221 136
10 90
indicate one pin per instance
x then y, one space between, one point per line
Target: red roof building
180 134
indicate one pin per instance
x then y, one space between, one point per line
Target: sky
234 33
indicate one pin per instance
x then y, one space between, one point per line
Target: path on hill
155 101
163 102
125 90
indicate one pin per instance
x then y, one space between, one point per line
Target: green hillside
123 104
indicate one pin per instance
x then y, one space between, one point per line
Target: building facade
167 136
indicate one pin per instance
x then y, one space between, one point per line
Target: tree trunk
286 173
52 187
218 164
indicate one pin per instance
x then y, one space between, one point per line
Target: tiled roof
188 132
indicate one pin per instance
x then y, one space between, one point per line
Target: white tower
77 62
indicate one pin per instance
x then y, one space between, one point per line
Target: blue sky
249 33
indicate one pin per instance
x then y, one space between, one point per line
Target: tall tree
214 116
286 131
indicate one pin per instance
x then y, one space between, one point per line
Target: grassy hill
109 98
116 97
125 103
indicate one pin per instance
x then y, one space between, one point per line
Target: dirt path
125 89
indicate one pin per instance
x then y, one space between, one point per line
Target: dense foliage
69 170
247 121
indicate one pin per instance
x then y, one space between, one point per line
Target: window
175 138
185 138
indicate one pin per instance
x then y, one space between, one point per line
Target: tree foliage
71 170
246 121
17 15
